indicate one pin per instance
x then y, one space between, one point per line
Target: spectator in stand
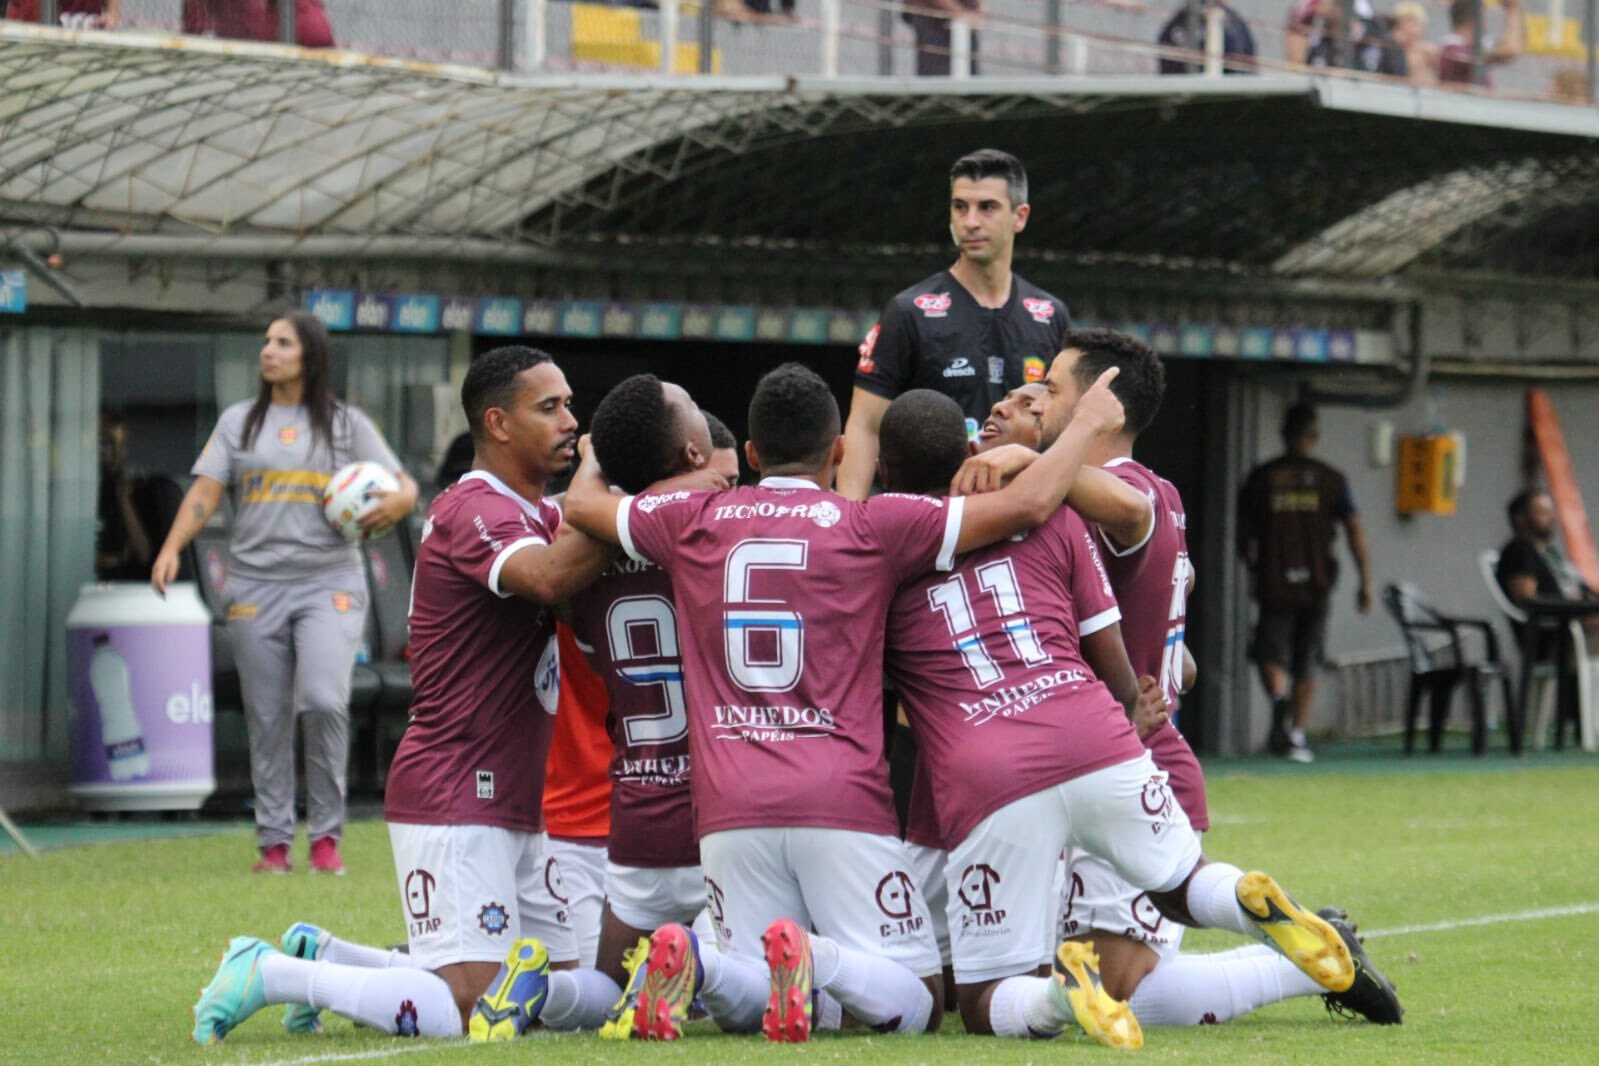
929 20
1410 34
257 20
1318 37
1531 563
71 14
1238 43
1454 54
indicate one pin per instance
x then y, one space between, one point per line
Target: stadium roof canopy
141 145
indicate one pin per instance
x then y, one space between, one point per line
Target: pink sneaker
273 860
325 856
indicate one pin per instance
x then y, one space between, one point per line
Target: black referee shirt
934 335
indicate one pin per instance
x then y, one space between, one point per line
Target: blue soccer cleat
302 940
235 993
516 997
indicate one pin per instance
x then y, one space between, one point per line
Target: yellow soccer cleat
516 997
1076 987
619 1019
1301 937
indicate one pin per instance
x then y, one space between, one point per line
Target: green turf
103 948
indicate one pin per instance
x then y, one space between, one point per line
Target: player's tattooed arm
201 501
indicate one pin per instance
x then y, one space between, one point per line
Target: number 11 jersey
781 592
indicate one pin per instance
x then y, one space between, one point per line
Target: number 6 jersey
781 592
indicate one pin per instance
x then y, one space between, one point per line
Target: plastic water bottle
119 720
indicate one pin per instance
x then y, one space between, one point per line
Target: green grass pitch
103 948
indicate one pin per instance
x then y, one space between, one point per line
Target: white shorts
468 891
574 882
927 870
852 887
647 897
1002 878
1097 899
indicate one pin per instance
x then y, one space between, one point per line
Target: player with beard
781 590
989 666
1141 524
463 796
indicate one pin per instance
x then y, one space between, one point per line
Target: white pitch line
375 1053
1487 919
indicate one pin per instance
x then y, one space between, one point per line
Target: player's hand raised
1100 407
990 471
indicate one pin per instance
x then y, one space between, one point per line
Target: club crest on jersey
996 370
934 304
1033 370
1041 310
288 435
341 602
826 514
867 347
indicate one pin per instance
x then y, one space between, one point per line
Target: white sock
880 993
1213 899
408 997
345 953
828 1012
1209 989
1296 737
734 990
578 999
1025 1007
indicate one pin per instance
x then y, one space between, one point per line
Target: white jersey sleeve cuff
1108 617
1120 552
624 530
500 559
952 532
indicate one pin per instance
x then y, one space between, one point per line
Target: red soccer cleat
788 956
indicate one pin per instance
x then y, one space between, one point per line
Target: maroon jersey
484 667
626 625
1151 583
781 591
990 671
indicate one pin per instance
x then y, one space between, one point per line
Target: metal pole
288 32
504 30
1344 47
1191 16
5 820
1477 71
1215 39
1052 12
707 35
535 34
960 48
832 19
49 13
885 38
1589 15
669 13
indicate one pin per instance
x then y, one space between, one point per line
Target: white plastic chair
1542 693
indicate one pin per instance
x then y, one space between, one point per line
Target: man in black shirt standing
973 332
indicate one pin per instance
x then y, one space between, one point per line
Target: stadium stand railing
861 38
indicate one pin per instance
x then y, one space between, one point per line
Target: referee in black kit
972 332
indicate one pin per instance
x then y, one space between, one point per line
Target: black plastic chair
1436 671
389 564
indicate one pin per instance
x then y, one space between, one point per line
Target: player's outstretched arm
550 573
590 505
199 503
1037 491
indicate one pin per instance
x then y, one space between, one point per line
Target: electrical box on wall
1429 474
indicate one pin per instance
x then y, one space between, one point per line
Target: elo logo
189 708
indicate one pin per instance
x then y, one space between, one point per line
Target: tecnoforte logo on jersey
345 310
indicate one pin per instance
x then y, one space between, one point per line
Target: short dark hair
1298 421
793 418
923 441
635 434
1140 386
1460 12
1521 503
491 381
721 436
992 163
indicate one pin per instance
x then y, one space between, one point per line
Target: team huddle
1020 585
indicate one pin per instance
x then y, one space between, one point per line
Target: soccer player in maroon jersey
781 590
464 790
1141 523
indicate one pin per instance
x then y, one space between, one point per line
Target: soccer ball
350 494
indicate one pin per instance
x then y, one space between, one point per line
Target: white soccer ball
351 493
